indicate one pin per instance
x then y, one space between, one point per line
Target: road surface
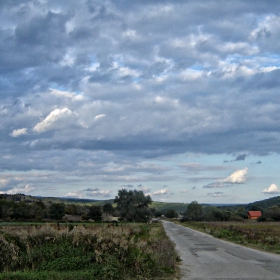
205 257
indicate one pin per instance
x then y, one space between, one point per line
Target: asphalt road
205 257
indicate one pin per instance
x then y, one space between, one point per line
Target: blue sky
179 99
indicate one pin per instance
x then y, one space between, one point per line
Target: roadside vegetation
264 235
50 239
86 251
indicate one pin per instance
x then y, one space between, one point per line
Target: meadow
86 251
260 235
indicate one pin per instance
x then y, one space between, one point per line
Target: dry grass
126 251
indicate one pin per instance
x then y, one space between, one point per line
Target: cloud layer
100 90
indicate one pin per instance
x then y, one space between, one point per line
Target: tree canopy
95 213
171 213
194 211
133 205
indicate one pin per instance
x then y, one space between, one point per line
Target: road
205 257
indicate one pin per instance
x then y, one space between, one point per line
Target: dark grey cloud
194 167
240 157
257 162
91 190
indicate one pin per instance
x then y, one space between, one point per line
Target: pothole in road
204 247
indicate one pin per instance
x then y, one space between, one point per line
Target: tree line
128 205
199 212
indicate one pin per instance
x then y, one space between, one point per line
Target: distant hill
265 204
163 206
68 200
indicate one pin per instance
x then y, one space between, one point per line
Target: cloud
257 162
91 190
237 177
54 120
216 185
24 189
240 157
161 192
115 91
127 186
194 167
7 183
143 189
66 94
97 193
18 132
216 194
272 189
12 185
99 117
75 194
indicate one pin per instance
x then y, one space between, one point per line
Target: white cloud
240 47
272 189
75 194
143 189
97 192
26 189
160 192
12 185
66 94
7 183
18 132
238 177
99 117
53 119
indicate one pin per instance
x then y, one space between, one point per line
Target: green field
86 251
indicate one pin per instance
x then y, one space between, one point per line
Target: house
254 215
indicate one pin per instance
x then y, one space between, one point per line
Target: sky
178 99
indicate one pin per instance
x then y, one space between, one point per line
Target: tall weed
128 251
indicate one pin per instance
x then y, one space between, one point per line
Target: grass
86 251
264 236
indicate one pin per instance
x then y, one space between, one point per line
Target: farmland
263 236
86 251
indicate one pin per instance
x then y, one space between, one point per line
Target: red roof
254 213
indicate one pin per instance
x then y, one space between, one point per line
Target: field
86 251
264 236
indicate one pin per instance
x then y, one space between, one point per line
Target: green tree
108 208
22 211
95 213
133 206
171 213
72 209
273 213
6 209
194 211
57 211
158 214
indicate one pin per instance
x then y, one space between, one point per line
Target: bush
261 219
